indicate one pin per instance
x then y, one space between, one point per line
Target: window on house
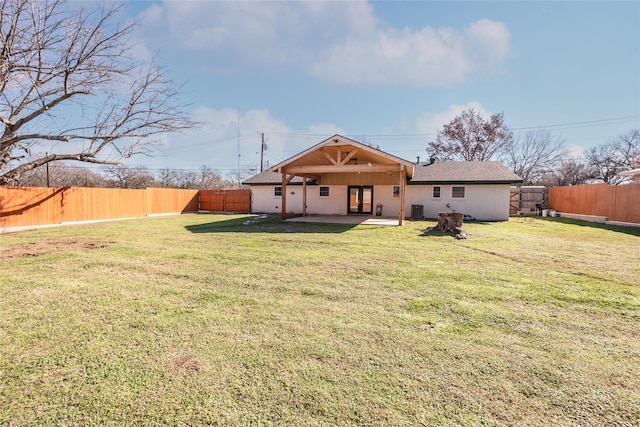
277 191
396 191
457 192
324 191
436 192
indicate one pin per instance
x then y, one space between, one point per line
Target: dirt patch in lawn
187 365
49 247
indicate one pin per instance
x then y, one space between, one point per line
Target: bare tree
471 137
70 89
167 178
204 179
532 154
123 176
627 147
567 172
61 175
615 156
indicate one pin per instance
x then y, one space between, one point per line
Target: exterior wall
263 200
384 194
335 204
485 202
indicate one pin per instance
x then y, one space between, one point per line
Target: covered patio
355 166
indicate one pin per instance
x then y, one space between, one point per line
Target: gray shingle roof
463 172
269 178
490 172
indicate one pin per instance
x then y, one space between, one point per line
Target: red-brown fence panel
616 203
20 206
25 206
86 204
238 201
225 200
212 200
171 200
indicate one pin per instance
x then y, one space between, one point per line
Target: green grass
240 320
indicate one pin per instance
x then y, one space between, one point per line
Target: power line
589 123
568 125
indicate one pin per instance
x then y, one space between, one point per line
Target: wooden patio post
283 215
304 196
403 179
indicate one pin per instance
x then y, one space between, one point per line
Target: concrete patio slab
347 219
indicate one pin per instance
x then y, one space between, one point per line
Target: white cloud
486 44
338 42
423 58
267 33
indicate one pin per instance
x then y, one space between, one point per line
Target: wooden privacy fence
225 200
616 203
26 206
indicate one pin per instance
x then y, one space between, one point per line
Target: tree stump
451 222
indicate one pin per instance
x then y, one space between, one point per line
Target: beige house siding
485 202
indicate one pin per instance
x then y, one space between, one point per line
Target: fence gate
225 200
514 201
527 198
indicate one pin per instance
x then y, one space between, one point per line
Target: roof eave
453 182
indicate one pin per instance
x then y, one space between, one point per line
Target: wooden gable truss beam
349 156
331 159
320 169
339 160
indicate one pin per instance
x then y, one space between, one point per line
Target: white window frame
275 191
328 192
464 192
396 191
433 190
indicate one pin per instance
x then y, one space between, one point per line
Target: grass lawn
241 320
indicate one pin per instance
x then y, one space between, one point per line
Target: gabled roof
343 154
341 151
450 172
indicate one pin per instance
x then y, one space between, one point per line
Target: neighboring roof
489 172
632 172
269 178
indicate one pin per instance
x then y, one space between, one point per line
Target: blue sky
388 73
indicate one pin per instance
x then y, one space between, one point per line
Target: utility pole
47 154
239 183
262 153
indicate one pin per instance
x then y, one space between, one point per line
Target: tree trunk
451 222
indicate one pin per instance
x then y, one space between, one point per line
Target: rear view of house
340 176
